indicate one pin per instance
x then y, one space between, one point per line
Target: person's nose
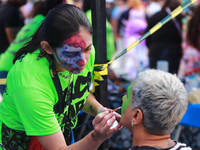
82 62
84 57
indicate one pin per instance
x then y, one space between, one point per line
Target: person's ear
137 116
45 45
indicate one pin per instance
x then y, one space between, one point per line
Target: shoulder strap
56 80
62 96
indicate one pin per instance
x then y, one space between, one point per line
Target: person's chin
77 71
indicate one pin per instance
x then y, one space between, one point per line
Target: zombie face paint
127 98
70 55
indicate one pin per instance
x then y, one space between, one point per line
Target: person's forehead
74 39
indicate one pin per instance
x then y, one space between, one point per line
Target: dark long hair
193 32
59 24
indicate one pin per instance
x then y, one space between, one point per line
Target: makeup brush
115 109
110 110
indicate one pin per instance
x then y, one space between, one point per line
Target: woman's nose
81 62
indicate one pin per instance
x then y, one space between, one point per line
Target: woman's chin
76 71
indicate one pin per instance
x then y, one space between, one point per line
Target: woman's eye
68 54
87 49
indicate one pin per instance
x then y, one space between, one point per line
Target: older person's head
157 100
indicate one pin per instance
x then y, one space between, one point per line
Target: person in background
78 3
154 104
165 44
153 7
110 42
115 15
109 30
11 21
109 8
135 13
38 14
191 52
48 86
122 19
27 9
136 24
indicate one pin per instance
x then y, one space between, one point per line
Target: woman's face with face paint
75 52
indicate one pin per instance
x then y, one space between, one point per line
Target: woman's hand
102 126
118 116
92 141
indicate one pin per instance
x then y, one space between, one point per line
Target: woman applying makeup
49 85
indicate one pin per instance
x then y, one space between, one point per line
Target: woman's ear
45 45
137 116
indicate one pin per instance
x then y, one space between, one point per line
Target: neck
142 138
58 67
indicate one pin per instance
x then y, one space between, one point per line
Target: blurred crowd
166 49
173 48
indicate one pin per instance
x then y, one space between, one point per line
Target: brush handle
115 109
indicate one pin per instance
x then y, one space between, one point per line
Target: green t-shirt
23 36
30 101
109 36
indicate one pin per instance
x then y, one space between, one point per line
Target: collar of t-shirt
150 148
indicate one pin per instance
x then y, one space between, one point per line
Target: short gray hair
162 99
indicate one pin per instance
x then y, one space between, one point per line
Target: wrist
94 137
100 109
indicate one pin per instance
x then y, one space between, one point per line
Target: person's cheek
127 98
87 56
125 106
122 110
81 59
